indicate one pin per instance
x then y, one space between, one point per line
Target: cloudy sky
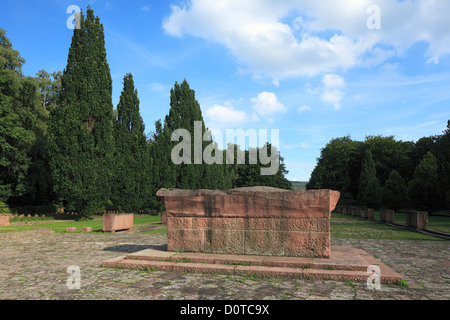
314 70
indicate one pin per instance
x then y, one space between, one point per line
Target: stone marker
86 229
370 213
117 222
387 215
417 220
251 221
71 229
4 220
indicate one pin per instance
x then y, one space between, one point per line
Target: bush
50 209
395 192
4 208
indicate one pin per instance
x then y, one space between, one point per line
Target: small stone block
71 229
86 229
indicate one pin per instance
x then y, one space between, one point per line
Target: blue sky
314 70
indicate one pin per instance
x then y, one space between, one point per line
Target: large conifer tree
131 170
370 191
81 124
423 188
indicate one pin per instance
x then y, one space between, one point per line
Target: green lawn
347 227
95 222
437 223
342 226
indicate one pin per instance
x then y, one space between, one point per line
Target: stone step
346 263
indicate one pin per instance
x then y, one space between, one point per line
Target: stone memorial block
417 220
4 220
117 222
387 215
251 221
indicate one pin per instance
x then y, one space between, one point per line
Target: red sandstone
253 221
117 222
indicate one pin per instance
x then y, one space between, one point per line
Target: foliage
131 175
423 188
81 143
4 208
395 192
339 167
369 185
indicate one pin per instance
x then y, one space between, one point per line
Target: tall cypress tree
395 192
81 124
370 191
131 170
423 188
184 111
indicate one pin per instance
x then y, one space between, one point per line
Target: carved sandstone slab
252 221
117 222
4 220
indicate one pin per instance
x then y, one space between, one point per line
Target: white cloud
266 44
426 124
227 114
303 109
267 104
333 81
332 93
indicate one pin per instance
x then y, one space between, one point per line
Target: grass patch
59 226
346 227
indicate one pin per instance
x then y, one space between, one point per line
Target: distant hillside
299 185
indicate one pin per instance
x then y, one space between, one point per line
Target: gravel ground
34 266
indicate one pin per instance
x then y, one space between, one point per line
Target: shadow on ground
131 248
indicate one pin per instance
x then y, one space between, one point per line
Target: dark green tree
49 86
443 161
423 188
131 177
339 168
370 192
15 140
184 112
250 175
395 192
389 154
80 126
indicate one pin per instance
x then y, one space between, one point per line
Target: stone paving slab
346 263
34 266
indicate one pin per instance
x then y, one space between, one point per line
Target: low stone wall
251 221
117 222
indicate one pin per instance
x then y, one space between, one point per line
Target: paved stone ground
34 266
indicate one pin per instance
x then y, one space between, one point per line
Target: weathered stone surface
164 217
4 220
252 221
417 220
86 229
117 222
387 215
370 213
71 229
